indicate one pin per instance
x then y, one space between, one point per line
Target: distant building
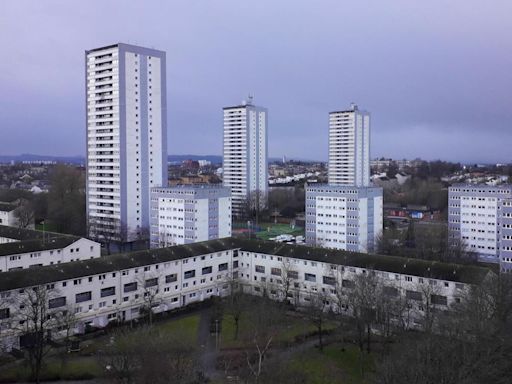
245 160
188 214
126 137
344 217
7 214
349 147
478 215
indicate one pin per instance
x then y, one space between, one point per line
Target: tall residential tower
349 147
245 161
126 138
347 213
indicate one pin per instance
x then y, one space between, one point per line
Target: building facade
475 218
245 156
24 248
7 214
126 138
349 147
122 287
187 214
344 217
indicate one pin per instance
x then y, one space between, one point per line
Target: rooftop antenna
250 98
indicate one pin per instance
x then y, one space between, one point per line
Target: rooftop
469 274
32 241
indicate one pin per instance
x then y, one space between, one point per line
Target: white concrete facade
126 138
188 214
475 217
245 156
349 147
8 218
181 275
47 252
344 217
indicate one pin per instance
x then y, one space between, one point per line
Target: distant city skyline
435 75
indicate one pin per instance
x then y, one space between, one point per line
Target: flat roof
470 274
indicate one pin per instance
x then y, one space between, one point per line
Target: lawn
295 327
186 327
334 365
269 230
84 365
75 368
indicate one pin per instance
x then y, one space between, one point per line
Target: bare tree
237 301
264 324
36 322
285 283
150 290
24 213
317 305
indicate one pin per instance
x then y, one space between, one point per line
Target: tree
265 322
36 322
285 284
150 356
317 304
236 303
66 200
24 213
150 286
363 301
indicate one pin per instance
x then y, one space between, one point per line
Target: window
110 291
347 284
413 295
293 275
4 313
390 291
206 270
84 296
329 280
223 267
130 287
309 277
439 299
151 282
190 274
171 278
275 271
260 268
57 302
235 264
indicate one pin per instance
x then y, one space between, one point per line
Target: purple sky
436 75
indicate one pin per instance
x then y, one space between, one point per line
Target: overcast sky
436 75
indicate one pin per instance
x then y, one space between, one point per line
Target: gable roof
469 274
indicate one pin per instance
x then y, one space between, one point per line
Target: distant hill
215 159
79 160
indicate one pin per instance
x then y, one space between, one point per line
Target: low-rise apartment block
24 248
343 217
187 214
124 286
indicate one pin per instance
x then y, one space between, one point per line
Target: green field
335 365
272 230
85 364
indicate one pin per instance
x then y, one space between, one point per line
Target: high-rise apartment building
126 138
349 147
347 213
479 216
187 214
245 161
